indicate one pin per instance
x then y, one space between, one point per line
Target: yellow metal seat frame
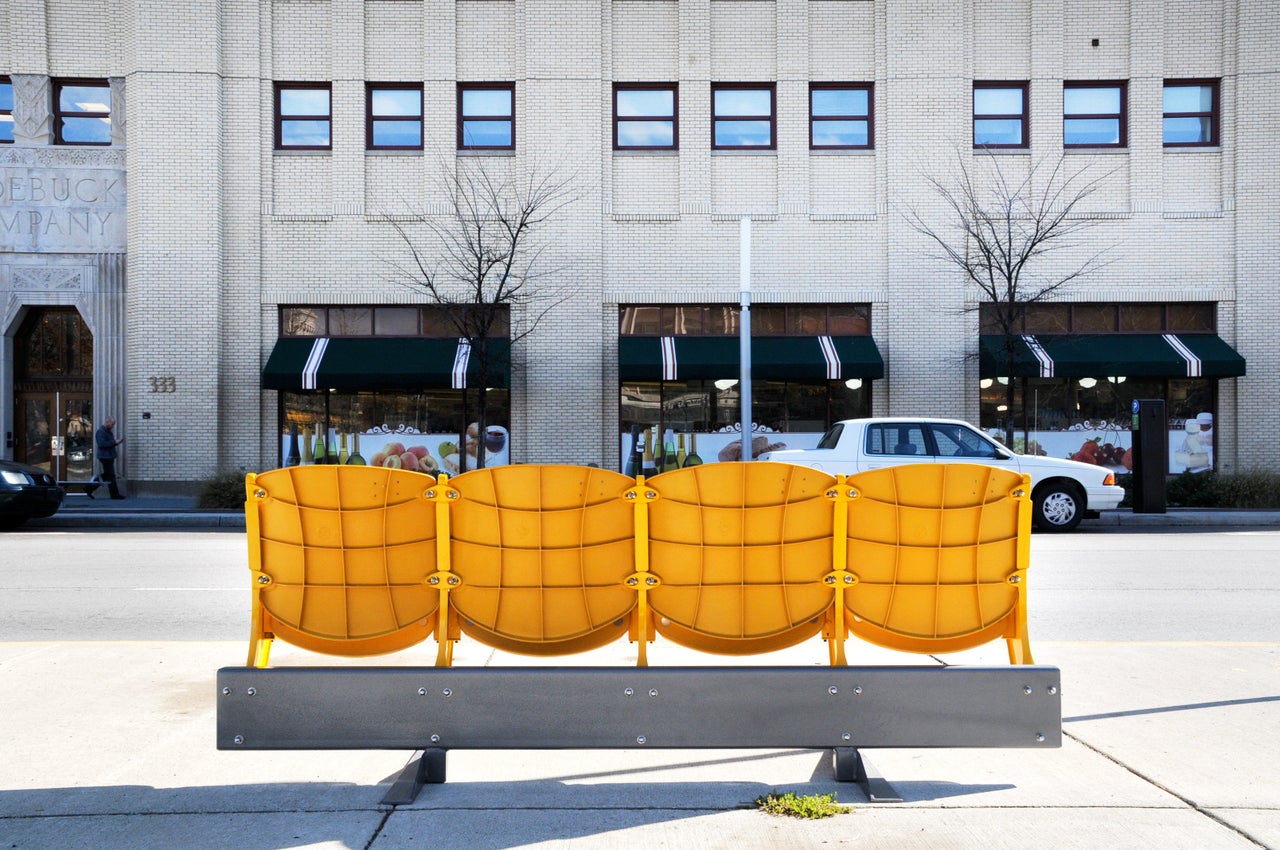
731 558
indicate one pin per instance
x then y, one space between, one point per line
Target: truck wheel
1059 506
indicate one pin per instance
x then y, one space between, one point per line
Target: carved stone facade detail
119 116
48 278
32 119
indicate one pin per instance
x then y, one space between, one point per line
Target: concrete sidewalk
112 745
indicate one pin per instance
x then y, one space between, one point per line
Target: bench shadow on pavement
482 815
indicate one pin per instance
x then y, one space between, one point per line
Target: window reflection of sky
645 104
1091 131
86 130
839 133
645 134
743 102
839 102
486 134
997 132
997 101
1103 101
84 99
6 96
1188 98
399 102
304 101
397 133
1186 130
742 134
304 133
486 102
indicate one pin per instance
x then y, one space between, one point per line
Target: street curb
1177 517
140 519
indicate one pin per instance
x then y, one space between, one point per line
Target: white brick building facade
223 229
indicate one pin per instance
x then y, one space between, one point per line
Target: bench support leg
426 769
852 766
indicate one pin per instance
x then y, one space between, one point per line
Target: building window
486 116
1000 115
742 116
645 116
1094 114
840 116
1110 317
303 116
1190 113
393 116
81 112
6 111
434 322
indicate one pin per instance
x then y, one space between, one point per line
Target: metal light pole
744 329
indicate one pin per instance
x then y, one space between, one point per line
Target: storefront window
1091 419
417 430
703 417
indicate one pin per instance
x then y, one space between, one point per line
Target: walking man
106 442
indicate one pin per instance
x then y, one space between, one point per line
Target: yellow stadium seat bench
729 559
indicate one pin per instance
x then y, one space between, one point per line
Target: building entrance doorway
53 393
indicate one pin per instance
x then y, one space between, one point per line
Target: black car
26 492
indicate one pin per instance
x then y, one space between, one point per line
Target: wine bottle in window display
693 459
669 450
648 466
343 457
633 457
294 456
356 459
307 457
331 450
320 454
681 457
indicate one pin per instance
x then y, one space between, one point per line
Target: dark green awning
687 358
382 363
1101 355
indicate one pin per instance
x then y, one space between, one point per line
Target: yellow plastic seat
740 552
939 553
542 554
339 557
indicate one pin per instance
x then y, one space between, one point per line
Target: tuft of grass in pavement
810 806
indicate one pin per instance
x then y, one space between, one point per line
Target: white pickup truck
1063 491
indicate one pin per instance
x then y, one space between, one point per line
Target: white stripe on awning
669 365
312 366
1195 368
1046 362
460 360
828 346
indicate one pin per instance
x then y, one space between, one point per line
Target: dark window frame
668 326
1214 114
370 117
462 119
716 118
1168 323
5 80
673 119
425 324
59 114
280 87
868 118
1122 117
1024 118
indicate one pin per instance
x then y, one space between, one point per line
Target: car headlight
19 479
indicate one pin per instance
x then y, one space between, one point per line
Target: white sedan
1063 491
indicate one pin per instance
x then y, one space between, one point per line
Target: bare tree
482 264
999 232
